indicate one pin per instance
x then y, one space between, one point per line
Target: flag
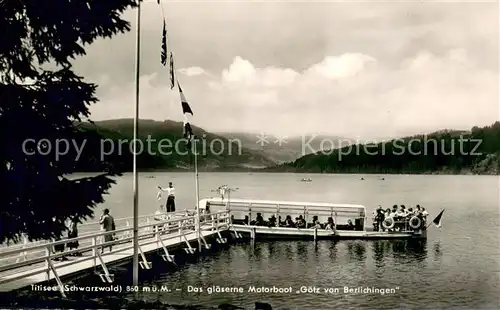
186 109
172 75
164 44
437 220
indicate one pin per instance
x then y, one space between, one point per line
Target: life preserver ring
388 223
415 222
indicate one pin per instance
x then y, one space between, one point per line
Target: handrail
101 234
284 209
183 225
84 225
276 202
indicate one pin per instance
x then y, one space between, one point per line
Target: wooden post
48 250
94 250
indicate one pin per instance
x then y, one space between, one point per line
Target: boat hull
285 233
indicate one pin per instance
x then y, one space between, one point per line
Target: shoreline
298 171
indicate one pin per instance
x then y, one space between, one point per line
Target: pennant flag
172 74
164 44
437 220
186 109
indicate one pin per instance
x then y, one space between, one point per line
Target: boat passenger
410 212
376 218
403 211
289 222
317 225
330 224
387 212
418 211
315 222
380 219
272 221
350 225
400 218
301 223
424 214
259 220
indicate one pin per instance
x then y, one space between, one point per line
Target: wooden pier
36 263
29 264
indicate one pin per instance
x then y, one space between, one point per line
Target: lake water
457 267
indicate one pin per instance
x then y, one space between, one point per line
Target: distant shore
299 171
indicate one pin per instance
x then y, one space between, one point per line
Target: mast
135 263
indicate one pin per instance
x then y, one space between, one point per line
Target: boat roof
279 202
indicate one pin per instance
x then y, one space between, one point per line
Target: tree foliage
41 98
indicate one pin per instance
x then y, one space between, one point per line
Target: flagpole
197 188
135 263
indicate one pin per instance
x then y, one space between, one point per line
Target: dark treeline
475 151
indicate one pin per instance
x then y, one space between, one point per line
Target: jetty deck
29 264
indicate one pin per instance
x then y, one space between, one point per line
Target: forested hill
165 148
450 151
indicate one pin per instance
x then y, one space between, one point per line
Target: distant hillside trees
165 147
477 151
41 97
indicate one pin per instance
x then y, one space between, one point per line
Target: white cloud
241 73
343 66
192 71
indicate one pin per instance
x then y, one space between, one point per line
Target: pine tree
42 98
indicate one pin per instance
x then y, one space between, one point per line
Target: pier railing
92 243
84 229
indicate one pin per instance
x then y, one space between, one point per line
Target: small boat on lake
341 221
306 180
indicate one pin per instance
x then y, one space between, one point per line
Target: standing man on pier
170 197
108 225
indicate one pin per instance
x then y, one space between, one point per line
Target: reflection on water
408 266
437 250
321 264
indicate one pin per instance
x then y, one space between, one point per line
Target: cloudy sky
354 69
